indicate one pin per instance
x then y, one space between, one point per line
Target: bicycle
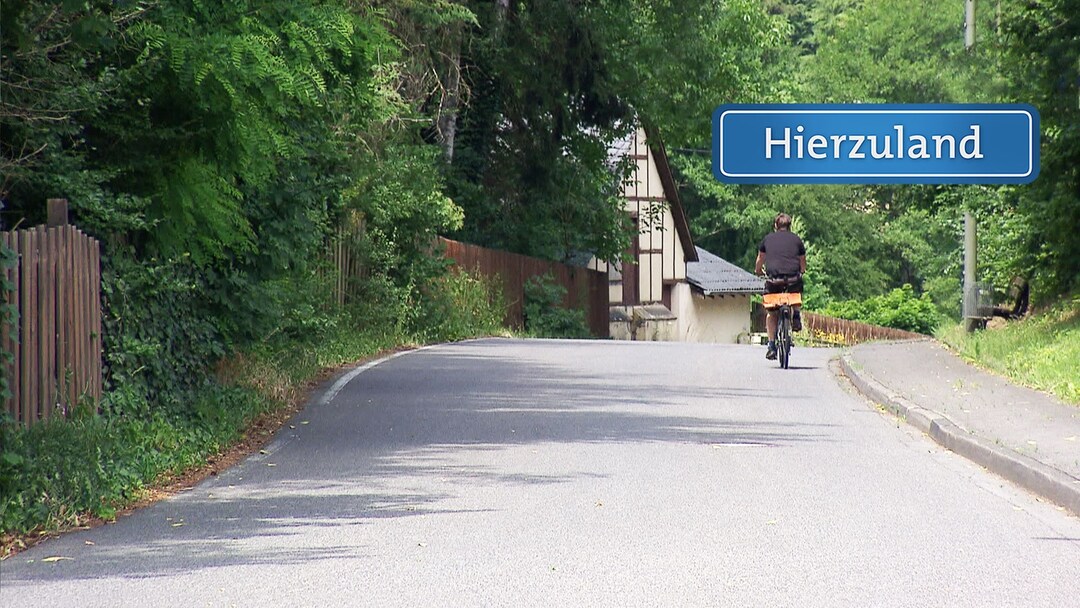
785 302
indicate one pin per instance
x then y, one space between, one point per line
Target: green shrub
545 314
55 472
899 308
9 315
456 306
159 337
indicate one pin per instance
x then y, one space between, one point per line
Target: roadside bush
456 306
545 316
899 308
54 473
159 339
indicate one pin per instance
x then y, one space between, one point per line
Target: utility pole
970 298
969 24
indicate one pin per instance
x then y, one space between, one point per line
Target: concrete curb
1050 483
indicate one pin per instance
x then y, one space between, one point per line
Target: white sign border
1031 140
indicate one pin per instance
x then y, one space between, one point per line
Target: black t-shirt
782 251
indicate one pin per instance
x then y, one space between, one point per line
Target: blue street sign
876 144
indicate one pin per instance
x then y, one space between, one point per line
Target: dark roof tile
715 275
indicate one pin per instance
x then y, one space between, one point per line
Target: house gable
663 245
675 291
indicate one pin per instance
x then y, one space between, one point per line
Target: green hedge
900 308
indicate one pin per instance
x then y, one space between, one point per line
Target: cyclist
782 257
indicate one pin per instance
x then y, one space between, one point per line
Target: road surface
560 473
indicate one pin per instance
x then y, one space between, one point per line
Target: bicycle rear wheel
783 338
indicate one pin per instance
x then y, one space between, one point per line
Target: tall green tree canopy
870 239
552 83
1041 58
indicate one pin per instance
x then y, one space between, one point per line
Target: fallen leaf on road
56 558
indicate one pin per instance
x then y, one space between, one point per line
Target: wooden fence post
57 212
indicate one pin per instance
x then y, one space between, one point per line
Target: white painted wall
717 319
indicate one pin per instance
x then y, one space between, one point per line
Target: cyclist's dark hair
782 221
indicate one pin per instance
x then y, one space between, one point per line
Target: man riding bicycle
782 257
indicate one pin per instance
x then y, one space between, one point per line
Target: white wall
720 319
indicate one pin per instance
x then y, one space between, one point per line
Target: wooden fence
831 330
839 332
56 335
346 260
585 288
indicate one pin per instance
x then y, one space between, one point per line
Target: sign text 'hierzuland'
876 144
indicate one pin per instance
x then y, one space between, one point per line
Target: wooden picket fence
55 339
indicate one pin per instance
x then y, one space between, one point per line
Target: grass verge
1041 351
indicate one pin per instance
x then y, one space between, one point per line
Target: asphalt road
556 473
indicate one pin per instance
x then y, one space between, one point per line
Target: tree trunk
451 97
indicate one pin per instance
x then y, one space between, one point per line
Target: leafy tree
553 83
890 52
51 84
1042 61
211 145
